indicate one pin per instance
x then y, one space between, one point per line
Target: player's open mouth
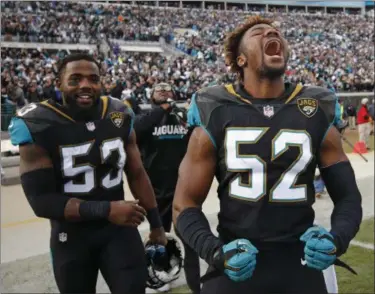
273 48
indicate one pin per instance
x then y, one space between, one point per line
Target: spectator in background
342 110
364 123
163 139
16 93
8 107
49 89
371 110
34 93
318 184
351 112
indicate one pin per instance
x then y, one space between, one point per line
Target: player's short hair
75 57
233 41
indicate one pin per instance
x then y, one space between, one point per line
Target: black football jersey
88 157
267 152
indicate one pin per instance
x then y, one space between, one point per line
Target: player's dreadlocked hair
75 57
233 41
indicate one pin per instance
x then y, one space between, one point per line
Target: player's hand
126 213
238 259
157 236
320 249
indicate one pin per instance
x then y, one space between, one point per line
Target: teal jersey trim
335 120
132 114
19 132
194 119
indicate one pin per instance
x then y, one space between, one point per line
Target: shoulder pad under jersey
116 105
28 121
205 101
327 101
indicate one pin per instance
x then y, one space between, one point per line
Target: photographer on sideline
162 139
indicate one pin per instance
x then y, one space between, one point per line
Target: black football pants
78 253
191 260
277 271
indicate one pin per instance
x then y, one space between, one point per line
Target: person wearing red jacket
364 123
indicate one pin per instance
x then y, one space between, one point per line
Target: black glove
179 113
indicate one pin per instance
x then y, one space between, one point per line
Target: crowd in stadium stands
73 22
330 50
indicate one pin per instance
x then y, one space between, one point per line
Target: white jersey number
285 188
26 109
70 169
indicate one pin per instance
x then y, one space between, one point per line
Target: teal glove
238 258
320 249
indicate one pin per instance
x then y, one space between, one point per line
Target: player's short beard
271 73
80 113
159 102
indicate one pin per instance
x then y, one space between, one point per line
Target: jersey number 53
70 169
285 188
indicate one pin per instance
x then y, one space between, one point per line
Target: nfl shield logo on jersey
63 237
268 111
117 118
90 126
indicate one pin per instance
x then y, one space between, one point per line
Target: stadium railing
7 112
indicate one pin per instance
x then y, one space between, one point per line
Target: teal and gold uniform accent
194 118
88 157
265 163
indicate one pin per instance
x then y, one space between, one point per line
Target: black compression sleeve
193 227
347 212
153 218
39 187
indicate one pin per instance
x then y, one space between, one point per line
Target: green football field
360 259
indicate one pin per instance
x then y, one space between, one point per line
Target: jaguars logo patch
308 106
117 118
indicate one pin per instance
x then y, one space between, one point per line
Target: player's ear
241 60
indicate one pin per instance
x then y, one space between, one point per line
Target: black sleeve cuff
154 219
195 230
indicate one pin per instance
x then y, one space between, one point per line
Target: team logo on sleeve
117 118
308 106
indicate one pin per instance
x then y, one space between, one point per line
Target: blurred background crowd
335 50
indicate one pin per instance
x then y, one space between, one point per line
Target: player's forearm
193 227
347 213
141 188
40 189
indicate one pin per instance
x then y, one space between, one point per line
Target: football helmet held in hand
164 263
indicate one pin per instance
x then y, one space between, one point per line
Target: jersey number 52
285 188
